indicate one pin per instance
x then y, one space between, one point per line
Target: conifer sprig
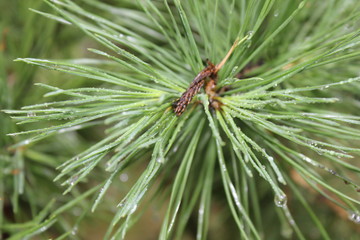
279 118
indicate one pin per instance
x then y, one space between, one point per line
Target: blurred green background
27 173
26 177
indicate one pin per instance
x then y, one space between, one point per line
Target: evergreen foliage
283 141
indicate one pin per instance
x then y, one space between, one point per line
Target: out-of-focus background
26 173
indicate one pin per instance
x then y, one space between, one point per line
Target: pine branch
280 127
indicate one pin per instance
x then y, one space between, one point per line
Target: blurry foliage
27 172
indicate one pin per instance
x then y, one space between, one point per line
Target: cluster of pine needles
271 152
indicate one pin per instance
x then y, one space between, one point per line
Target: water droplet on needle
280 200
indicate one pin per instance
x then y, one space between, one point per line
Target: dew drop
133 209
12 134
276 13
74 231
351 80
130 39
355 217
102 190
223 167
31 114
124 177
319 151
332 153
234 70
107 164
306 158
201 211
160 160
250 34
72 180
280 200
176 147
324 87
